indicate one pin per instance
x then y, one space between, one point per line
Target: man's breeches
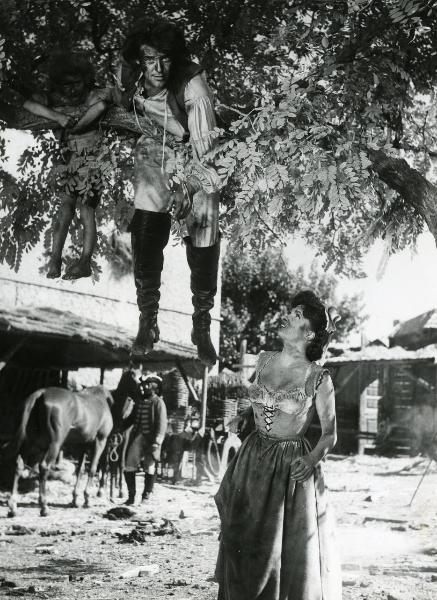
140 449
153 193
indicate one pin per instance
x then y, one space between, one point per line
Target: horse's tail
15 445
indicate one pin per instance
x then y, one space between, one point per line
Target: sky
407 288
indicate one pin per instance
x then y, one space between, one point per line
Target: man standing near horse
149 419
158 80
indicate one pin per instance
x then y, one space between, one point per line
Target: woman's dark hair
66 64
315 312
161 35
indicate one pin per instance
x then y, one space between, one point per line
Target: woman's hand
302 468
235 424
64 120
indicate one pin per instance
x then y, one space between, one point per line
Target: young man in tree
149 419
71 84
157 79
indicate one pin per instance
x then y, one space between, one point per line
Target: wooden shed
386 398
416 333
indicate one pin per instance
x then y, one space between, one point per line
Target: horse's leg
78 474
112 475
99 446
60 457
104 465
121 464
12 502
44 466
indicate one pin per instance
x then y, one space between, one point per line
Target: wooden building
386 399
419 332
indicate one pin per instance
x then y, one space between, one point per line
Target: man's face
155 67
149 389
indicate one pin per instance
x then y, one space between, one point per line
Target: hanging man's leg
150 230
60 232
203 254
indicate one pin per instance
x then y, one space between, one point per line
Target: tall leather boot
149 233
149 482
203 263
129 477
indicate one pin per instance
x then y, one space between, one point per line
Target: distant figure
149 420
275 530
158 80
71 84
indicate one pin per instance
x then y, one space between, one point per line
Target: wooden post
187 381
64 378
204 398
102 375
243 350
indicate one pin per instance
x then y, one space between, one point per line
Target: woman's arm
96 109
303 467
325 406
41 110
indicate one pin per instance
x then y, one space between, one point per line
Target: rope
115 441
164 135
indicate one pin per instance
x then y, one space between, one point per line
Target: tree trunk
413 187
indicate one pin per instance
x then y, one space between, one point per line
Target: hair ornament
332 318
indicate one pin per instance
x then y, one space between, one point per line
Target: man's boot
149 482
149 232
203 263
129 477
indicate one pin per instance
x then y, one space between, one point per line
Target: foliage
313 86
256 292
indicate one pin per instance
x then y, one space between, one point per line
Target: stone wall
109 300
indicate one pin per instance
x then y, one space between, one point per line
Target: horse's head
121 410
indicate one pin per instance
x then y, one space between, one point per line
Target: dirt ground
388 549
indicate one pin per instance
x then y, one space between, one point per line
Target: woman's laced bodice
285 413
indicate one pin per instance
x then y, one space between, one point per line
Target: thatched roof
64 340
377 353
417 332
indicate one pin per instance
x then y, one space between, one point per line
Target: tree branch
411 185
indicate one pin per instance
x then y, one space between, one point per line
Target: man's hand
183 203
301 469
156 451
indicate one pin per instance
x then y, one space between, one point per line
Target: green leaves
304 90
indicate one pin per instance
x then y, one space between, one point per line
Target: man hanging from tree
156 79
71 84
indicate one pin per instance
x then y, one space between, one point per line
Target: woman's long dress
276 535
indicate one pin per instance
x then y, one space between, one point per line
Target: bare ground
389 550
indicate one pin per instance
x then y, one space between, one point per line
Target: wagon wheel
213 455
229 450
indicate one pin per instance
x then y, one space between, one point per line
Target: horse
51 418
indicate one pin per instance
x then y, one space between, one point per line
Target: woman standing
276 538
